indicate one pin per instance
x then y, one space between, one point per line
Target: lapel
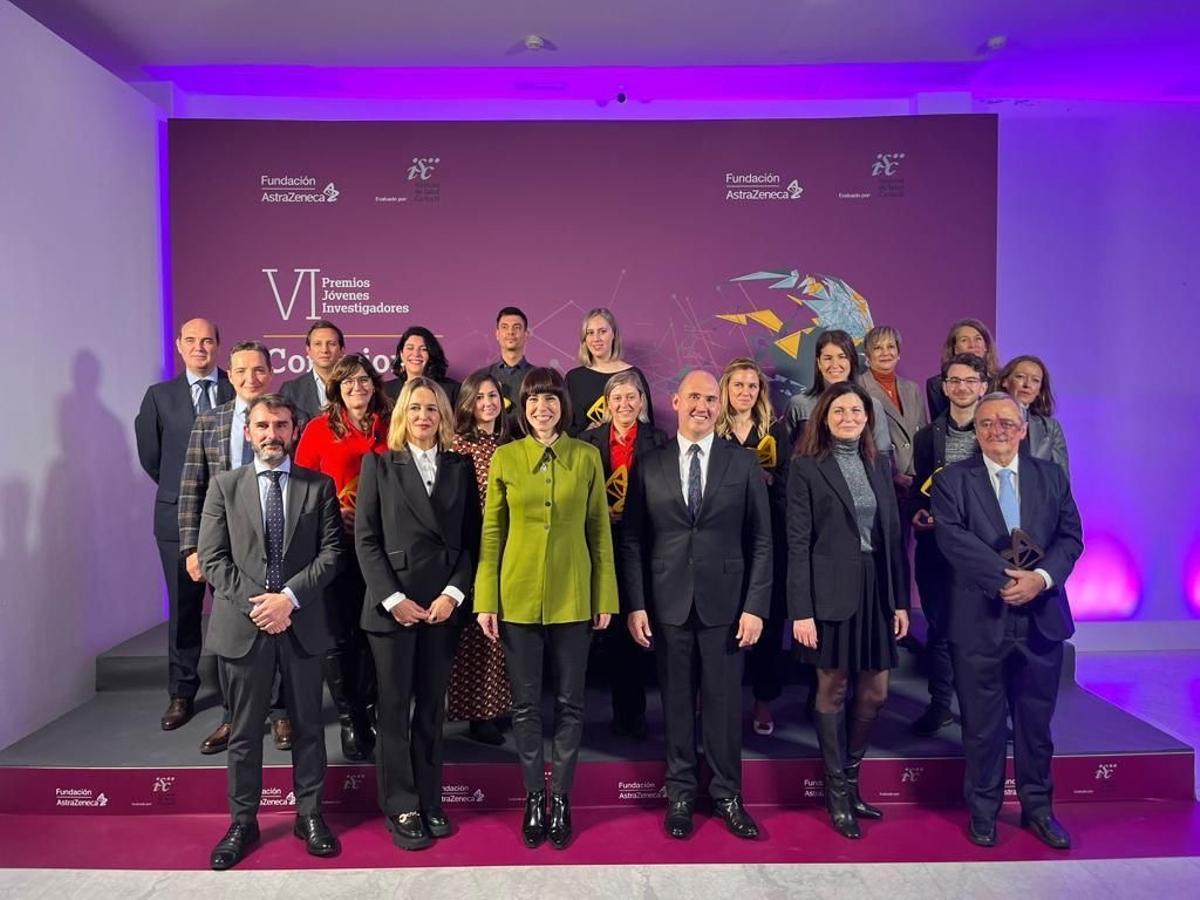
668 462
981 484
722 452
445 492
318 402
225 391
833 476
181 396
412 488
605 445
297 493
252 508
224 420
1029 490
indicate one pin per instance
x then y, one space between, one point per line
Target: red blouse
340 458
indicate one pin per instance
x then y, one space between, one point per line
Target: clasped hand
1024 587
272 613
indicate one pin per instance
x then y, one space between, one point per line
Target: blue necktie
274 531
694 493
1010 506
204 401
247 451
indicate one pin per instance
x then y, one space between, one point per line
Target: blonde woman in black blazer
416 531
847 588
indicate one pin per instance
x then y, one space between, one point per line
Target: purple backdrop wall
894 217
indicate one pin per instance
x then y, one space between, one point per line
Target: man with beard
270 544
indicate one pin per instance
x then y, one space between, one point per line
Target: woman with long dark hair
1028 380
420 353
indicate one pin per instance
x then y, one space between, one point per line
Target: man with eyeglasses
949 438
1008 619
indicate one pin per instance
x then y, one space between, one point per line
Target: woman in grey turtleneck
847 589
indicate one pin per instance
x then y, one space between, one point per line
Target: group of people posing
422 546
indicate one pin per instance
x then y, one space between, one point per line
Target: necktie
694 493
274 531
547 458
204 401
1010 506
247 451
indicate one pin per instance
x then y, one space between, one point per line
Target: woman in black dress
746 419
847 591
600 354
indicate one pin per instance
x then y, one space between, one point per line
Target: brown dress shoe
281 733
179 712
217 741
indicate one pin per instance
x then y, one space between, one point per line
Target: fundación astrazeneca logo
759 186
295 189
79 797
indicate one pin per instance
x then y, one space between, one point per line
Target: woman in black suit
416 531
847 588
626 436
419 352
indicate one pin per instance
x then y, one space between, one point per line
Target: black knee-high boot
831 736
856 749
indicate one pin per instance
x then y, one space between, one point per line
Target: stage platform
109 755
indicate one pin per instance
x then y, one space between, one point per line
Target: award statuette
1024 553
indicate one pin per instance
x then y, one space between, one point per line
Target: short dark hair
843 340
545 380
247 346
272 402
971 361
512 311
1043 404
437 365
464 408
324 323
817 440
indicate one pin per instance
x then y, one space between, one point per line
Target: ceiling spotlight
995 42
531 43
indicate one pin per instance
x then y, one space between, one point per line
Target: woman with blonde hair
600 355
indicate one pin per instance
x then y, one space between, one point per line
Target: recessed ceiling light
997 42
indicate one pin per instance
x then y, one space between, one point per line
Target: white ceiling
129 36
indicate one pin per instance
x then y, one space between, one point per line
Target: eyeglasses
969 382
1005 426
353 381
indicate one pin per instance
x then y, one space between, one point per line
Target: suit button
547 502
547 526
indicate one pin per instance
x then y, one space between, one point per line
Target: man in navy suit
1007 621
324 345
162 428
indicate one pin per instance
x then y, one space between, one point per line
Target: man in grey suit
324 345
270 543
162 427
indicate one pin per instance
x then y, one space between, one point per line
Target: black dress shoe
231 848
679 818
1048 830
436 823
933 720
981 832
353 737
318 839
736 818
217 741
486 731
559 831
408 831
533 828
179 712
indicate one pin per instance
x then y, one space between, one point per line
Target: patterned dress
479 685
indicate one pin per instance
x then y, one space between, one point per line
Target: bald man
696 562
163 426
1007 622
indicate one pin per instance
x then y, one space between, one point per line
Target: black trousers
249 682
933 583
185 605
765 660
413 669
349 671
1019 677
627 668
713 653
524 648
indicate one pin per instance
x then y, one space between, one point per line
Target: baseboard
1133 637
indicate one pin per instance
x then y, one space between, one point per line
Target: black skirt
865 640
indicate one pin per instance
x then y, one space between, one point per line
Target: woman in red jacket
354 424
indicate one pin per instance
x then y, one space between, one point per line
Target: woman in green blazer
546 578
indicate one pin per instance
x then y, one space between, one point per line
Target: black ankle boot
856 749
831 737
560 820
533 828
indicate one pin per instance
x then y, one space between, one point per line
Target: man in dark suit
162 428
697 529
217 444
324 345
1007 621
270 543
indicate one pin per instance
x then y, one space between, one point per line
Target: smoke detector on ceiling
531 43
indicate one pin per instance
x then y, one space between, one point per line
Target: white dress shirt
993 470
685 461
264 485
427 465
237 432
